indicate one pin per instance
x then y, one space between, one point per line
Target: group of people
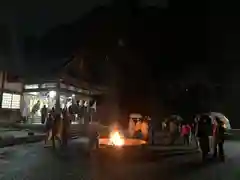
207 132
140 128
57 126
210 133
186 133
177 129
76 108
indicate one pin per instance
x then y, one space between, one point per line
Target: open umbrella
222 118
175 118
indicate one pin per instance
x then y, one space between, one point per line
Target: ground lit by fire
117 139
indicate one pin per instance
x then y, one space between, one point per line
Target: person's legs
184 140
221 150
207 144
93 143
97 142
202 143
190 137
215 150
46 138
42 119
187 139
53 137
64 140
195 139
24 119
53 142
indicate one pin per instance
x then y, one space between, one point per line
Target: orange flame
116 139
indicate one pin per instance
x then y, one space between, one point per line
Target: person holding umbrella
219 131
203 131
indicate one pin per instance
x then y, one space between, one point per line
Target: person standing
44 113
71 113
56 129
66 127
219 140
194 137
145 128
94 136
25 112
189 129
151 131
138 127
203 131
185 134
131 128
48 128
173 131
35 109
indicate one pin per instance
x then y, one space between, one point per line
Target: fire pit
117 140
127 142
118 146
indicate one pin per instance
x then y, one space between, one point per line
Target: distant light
86 103
186 89
34 93
73 95
52 94
106 59
121 43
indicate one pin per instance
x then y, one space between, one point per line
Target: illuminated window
11 101
6 100
71 88
79 90
49 85
31 86
16 98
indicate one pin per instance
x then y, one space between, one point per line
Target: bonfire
116 139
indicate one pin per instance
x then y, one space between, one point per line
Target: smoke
109 105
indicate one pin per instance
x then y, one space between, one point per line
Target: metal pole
2 87
58 98
88 112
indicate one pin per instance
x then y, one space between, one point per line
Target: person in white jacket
131 128
25 112
144 129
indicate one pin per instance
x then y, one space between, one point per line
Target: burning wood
116 139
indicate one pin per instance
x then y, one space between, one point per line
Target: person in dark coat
204 130
44 114
48 127
151 131
219 139
66 127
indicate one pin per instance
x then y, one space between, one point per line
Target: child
49 126
185 133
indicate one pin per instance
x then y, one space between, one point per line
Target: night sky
164 56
